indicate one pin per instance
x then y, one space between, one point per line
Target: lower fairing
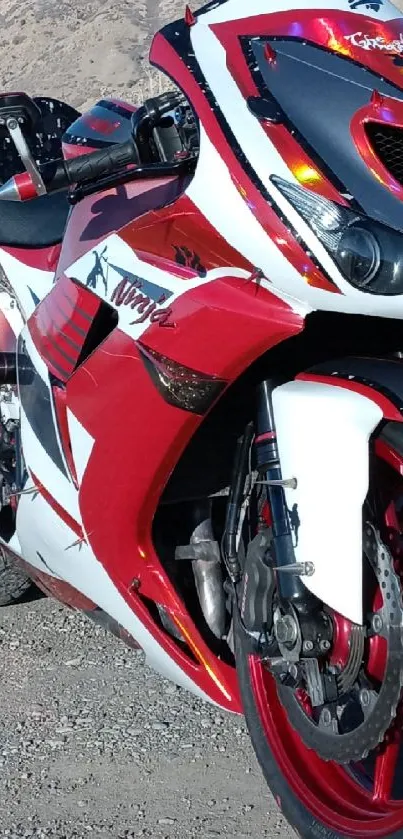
45 542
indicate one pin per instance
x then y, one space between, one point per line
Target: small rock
171 689
55 744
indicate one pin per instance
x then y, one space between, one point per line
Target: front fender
324 421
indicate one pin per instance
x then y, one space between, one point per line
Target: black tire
15 584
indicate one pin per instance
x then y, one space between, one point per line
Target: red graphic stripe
60 403
60 325
45 259
268 435
46 350
387 407
63 515
392 457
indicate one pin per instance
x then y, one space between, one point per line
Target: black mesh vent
387 143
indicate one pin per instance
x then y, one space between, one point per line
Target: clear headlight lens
368 254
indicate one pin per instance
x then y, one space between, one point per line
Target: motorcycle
208 358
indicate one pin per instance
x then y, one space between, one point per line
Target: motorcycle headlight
368 254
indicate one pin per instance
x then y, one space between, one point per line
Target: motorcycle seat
39 223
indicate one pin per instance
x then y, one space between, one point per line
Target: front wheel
323 794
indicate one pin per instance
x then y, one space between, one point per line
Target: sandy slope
80 50
83 49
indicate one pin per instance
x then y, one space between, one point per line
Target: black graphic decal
295 523
372 7
190 259
97 272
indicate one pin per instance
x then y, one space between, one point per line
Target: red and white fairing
210 272
369 33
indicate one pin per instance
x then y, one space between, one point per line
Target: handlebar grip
88 167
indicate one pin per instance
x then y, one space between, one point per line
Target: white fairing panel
323 434
29 284
48 544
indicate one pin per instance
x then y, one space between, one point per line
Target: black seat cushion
34 224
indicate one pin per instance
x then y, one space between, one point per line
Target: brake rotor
347 729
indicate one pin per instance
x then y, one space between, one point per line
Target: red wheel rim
366 800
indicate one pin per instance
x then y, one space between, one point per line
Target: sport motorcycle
201 328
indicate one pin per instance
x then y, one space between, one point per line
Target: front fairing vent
387 143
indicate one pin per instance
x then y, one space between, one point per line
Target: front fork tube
290 586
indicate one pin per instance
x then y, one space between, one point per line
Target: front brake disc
347 729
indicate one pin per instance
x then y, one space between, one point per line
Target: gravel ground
94 743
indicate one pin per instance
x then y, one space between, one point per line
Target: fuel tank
106 123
